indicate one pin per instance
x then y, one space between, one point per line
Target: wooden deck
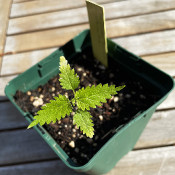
32 29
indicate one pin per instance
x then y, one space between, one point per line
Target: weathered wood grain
157 161
23 145
164 61
10 117
159 131
40 6
144 44
18 63
4 15
158 21
42 39
3 83
122 8
12 63
169 102
150 43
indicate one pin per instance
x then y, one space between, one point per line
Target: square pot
126 136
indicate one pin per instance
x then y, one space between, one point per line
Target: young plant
83 100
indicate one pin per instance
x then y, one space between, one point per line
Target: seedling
80 104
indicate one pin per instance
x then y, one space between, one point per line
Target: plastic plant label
97 31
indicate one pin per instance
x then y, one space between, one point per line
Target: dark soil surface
119 110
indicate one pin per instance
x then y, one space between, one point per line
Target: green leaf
92 96
68 79
60 107
83 120
119 87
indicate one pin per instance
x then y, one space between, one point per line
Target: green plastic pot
126 136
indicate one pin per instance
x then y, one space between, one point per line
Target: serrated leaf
55 110
68 78
92 96
83 120
119 88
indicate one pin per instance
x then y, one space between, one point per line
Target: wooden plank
169 102
157 161
151 43
4 15
145 44
158 21
10 117
3 83
159 131
36 7
12 63
123 8
23 145
18 63
164 61
42 39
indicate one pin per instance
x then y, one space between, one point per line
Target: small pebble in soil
53 89
94 144
128 96
142 96
38 102
79 69
39 89
113 110
29 93
101 117
102 67
74 130
76 150
59 121
66 94
83 155
84 74
72 144
72 113
59 133
111 75
116 99
96 137
73 135
41 96
31 98
53 95
89 140
65 126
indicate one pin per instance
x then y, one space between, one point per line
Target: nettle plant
80 104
